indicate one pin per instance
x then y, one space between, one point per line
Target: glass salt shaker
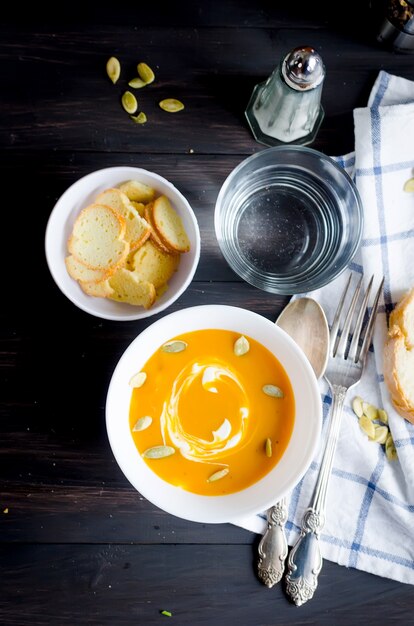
286 109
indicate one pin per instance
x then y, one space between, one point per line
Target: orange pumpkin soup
212 411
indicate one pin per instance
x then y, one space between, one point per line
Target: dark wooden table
78 544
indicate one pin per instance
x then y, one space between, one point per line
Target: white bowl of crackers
122 243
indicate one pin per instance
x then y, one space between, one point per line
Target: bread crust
398 345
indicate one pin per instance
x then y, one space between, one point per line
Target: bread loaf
399 357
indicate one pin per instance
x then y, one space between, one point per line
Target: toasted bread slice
399 357
97 238
98 290
169 226
139 206
138 191
79 271
137 229
154 235
152 265
127 288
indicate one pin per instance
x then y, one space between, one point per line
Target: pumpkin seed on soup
268 448
145 73
241 346
218 475
174 346
129 102
273 391
142 424
138 380
158 452
113 69
171 105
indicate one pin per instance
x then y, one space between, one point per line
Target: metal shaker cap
303 69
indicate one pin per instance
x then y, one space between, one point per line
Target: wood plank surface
78 544
199 585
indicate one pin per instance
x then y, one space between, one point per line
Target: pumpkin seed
138 380
142 423
171 105
129 102
218 475
158 452
268 447
370 411
409 185
381 434
273 391
137 83
146 73
390 449
383 416
174 346
113 69
141 118
241 346
367 426
357 406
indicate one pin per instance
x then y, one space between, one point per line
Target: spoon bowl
305 321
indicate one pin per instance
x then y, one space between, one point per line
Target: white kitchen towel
370 505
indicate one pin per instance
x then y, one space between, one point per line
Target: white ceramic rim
60 224
279 481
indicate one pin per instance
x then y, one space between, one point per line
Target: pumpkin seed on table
383 416
268 448
138 380
381 434
145 73
142 424
390 449
129 102
158 452
141 118
113 69
171 105
357 406
137 83
218 475
370 410
241 346
367 426
174 346
273 391
409 185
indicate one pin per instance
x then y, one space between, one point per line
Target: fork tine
358 324
335 323
342 344
370 326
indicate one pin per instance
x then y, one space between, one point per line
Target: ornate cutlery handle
305 560
273 546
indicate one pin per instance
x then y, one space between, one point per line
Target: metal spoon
305 321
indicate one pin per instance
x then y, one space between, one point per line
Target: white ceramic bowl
60 226
280 480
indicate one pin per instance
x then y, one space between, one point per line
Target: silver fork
344 370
